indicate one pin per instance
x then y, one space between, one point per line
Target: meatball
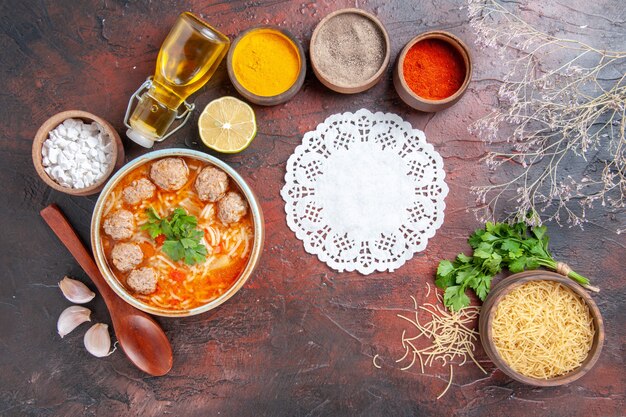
211 184
231 208
119 225
170 173
142 280
126 256
138 190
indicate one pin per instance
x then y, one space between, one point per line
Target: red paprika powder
433 69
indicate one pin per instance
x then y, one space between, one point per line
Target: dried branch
549 115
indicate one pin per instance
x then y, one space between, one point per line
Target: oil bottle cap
140 138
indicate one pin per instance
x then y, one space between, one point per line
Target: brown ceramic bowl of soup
149 265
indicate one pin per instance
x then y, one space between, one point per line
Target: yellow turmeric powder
266 62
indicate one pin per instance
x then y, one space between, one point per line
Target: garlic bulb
76 291
97 340
71 318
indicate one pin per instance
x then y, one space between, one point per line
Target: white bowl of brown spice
349 51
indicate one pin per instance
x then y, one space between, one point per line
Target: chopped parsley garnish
182 239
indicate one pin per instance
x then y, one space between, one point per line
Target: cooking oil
188 58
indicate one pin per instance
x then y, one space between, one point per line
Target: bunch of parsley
496 246
182 239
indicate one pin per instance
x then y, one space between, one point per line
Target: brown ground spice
349 49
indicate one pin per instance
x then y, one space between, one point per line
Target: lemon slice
227 125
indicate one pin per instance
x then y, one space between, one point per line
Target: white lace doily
364 191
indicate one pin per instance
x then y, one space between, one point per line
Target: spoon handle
66 233
143 352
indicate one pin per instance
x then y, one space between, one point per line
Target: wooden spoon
140 337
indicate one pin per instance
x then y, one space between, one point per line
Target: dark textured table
299 338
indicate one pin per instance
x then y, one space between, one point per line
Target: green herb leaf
517 265
483 284
493 263
444 268
482 253
153 227
476 238
488 237
463 276
195 255
540 232
532 263
152 215
445 282
173 249
445 277
455 298
182 239
510 245
188 243
463 258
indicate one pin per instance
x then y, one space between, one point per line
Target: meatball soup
176 232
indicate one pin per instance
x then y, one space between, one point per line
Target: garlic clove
97 340
71 318
76 291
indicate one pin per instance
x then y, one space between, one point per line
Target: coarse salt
77 154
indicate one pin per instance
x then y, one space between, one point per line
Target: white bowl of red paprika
432 71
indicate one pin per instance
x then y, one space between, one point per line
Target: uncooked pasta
450 340
542 329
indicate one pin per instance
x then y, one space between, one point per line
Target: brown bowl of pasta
177 232
541 328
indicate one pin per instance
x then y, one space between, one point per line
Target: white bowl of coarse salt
76 152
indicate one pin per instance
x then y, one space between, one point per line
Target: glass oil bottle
188 58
